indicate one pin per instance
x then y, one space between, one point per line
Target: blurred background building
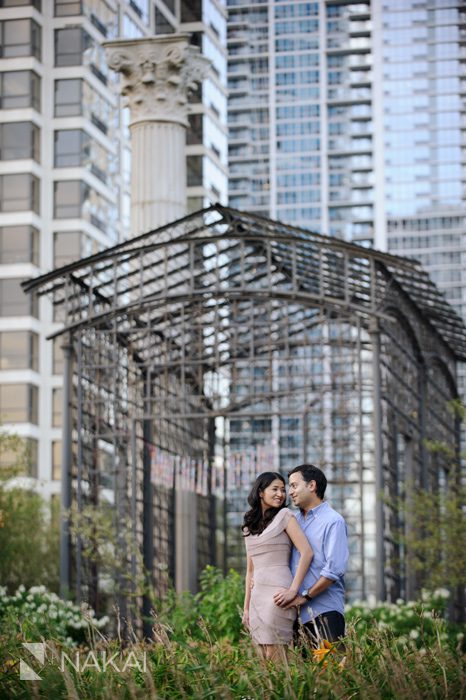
65 162
348 118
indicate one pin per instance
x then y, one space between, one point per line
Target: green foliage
95 527
220 602
374 667
215 612
436 545
38 613
29 533
199 651
414 624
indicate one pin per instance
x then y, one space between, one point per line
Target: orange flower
321 652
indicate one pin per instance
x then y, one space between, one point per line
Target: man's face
300 490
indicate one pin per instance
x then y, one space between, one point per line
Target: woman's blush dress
270 554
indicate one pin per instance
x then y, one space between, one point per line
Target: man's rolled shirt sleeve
336 551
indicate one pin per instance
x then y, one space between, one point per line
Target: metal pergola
222 344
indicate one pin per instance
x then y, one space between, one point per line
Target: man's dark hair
311 473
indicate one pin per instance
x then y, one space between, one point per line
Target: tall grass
372 667
199 651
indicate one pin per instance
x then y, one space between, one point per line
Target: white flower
442 593
422 651
460 636
414 634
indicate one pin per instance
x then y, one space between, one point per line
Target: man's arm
320 586
336 559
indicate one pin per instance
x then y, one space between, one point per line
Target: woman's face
274 495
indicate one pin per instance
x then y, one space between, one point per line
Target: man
322 595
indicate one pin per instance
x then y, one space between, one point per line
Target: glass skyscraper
347 118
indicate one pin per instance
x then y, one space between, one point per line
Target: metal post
148 508
66 467
211 495
374 332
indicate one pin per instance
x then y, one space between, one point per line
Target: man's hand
286 598
298 600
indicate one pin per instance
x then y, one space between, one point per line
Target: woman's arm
247 592
300 541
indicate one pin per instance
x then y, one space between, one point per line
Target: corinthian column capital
158 74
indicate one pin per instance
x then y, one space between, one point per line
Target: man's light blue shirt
328 536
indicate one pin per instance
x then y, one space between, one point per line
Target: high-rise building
300 116
65 160
347 118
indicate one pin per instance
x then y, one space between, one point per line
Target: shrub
217 606
38 613
415 624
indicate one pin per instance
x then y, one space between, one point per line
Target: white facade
65 159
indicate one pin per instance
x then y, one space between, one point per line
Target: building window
57 406
19 403
70 43
194 204
19 350
57 358
69 246
69 197
13 301
71 148
195 131
19 244
19 192
19 140
68 97
19 37
23 459
162 25
66 247
194 168
19 88
170 5
56 460
191 10
141 8
66 8
20 3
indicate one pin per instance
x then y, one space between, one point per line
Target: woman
269 530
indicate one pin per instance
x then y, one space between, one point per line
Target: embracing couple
294 562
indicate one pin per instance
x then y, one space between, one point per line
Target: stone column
157 76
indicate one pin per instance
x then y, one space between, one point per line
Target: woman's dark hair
254 522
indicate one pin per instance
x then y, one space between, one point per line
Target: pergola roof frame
295 254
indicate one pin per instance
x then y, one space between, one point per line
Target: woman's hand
245 618
285 597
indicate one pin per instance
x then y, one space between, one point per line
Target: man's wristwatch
305 594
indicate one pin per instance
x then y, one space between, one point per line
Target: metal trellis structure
224 344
